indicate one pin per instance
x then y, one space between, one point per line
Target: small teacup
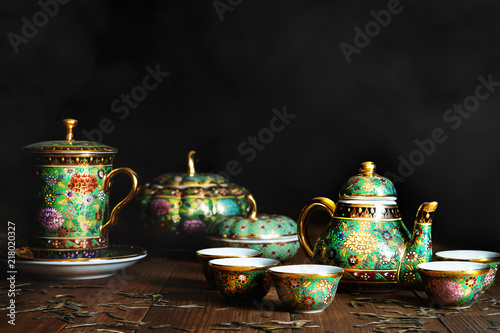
242 279
306 288
453 284
205 255
485 257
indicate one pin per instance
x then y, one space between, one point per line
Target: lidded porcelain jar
177 207
274 235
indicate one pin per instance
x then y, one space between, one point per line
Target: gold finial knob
191 163
70 123
367 168
252 213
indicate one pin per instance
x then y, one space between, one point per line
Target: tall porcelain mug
72 180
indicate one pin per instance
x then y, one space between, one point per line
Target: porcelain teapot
366 235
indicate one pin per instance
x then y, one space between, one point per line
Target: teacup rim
445 255
474 269
252 252
223 263
338 271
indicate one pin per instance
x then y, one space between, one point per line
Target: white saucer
116 257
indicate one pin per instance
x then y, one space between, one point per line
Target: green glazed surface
264 226
70 201
361 185
242 285
306 294
454 291
276 250
174 211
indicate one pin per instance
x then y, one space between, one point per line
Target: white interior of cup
228 252
244 262
468 255
452 266
307 269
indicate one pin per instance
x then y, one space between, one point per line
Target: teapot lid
70 146
367 184
191 178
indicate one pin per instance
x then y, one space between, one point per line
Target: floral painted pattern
278 250
304 294
83 183
165 211
50 218
246 286
71 201
454 291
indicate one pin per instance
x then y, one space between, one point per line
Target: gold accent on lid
367 168
191 163
70 123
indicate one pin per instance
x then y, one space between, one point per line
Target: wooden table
178 279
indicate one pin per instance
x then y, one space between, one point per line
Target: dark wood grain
179 280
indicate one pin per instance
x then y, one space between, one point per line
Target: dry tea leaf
76 287
96 323
226 329
102 330
115 316
224 309
491 314
187 306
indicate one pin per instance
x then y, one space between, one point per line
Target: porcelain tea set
365 247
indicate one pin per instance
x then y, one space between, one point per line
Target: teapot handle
113 218
316 203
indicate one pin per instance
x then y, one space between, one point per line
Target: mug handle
113 217
316 203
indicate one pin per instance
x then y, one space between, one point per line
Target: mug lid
367 184
70 145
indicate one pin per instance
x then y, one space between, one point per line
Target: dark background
226 77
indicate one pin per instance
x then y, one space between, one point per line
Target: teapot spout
419 247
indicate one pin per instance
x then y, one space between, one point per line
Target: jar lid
191 178
70 146
367 184
253 225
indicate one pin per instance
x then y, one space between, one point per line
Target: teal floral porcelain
366 236
274 235
177 207
306 288
72 180
453 284
242 279
205 255
486 257
367 184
